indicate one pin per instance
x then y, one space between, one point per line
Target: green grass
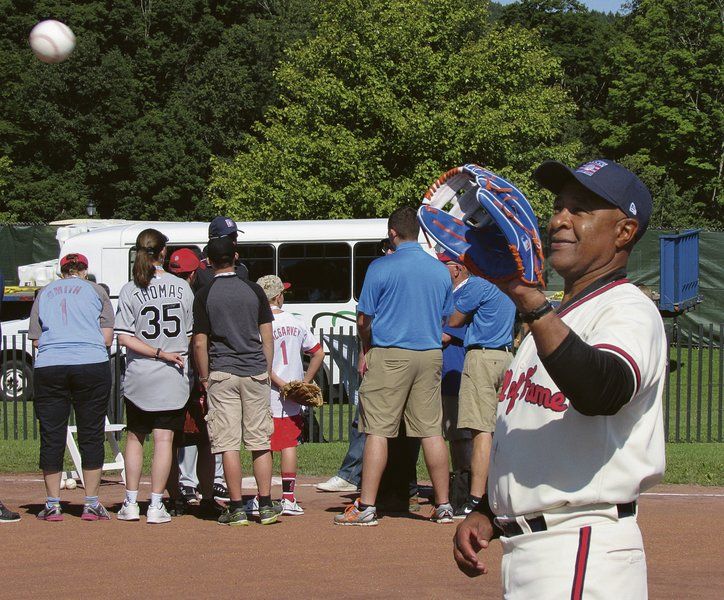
695 463
701 464
699 414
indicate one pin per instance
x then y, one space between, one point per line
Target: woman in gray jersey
154 322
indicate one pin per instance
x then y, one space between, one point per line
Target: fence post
721 376
678 388
699 383
15 389
688 388
710 395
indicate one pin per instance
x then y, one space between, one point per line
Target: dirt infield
308 557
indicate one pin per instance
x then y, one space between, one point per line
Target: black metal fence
693 397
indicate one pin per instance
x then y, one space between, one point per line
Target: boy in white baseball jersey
579 432
291 338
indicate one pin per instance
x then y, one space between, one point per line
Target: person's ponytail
149 245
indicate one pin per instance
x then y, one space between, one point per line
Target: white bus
325 262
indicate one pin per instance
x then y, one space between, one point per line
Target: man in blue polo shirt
488 343
404 299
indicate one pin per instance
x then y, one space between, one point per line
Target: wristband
158 352
537 313
203 379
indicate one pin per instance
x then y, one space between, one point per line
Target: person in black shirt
234 352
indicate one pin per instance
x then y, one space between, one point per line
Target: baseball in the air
52 41
71 484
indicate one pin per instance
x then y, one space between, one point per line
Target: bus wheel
16 380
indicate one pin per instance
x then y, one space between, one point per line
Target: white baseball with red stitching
52 41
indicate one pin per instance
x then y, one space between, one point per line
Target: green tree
579 37
664 107
132 118
384 98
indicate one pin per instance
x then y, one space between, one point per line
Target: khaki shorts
450 429
481 378
401 383
239 411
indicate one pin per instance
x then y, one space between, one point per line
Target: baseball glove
306 394
486 222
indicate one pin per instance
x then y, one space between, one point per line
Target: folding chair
116 465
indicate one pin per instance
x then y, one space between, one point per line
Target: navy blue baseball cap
222 226
608 180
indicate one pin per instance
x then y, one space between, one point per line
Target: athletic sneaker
176 507
233 517
463 511
95 513
354 516
336 484
209 509
269 514
52 513
252 506
157 514
442 513
189 495
221 493
130 511
8 516
291 507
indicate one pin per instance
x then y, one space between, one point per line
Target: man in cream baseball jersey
579 431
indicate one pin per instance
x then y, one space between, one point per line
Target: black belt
481 347
536 524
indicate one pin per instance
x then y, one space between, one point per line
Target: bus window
319 272
258 258
364 254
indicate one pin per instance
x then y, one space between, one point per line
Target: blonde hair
149 245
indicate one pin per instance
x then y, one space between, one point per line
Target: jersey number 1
283 346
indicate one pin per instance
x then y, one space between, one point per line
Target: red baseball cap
183 260
446 258
73 257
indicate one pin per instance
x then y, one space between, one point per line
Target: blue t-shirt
408 293
66 319
453 355
494 314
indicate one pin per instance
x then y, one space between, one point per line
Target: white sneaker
290 507
252 506
336 484
129 511
157 514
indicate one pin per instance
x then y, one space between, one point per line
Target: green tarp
644 270
25 244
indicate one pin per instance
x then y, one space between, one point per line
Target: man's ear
236 257
626 230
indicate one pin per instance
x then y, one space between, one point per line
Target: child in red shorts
291 338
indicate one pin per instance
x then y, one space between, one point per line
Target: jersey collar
598 287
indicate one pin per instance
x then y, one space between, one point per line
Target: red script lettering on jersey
533 393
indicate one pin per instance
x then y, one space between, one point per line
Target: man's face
582 232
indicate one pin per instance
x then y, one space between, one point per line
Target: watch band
537 313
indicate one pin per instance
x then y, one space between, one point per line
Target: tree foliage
387 96
664 106
131 120
309 108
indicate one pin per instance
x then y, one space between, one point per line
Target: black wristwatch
537 313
